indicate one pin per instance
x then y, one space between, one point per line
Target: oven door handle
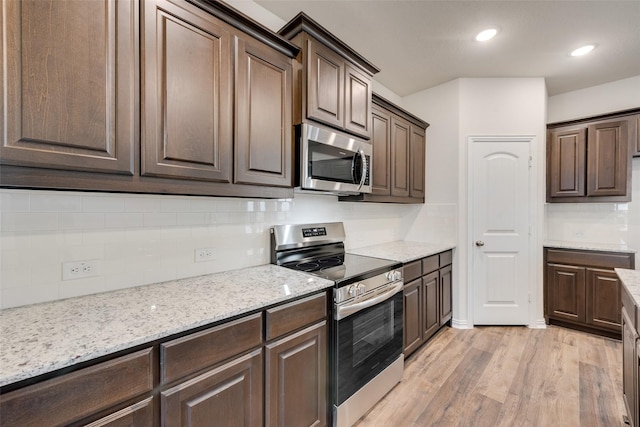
350 308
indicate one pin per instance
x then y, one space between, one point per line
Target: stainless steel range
366 358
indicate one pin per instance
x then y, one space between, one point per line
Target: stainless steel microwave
332 162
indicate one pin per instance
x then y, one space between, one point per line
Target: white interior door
500 230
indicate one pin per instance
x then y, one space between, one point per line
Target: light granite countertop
631 280
402 251
42 338
593 246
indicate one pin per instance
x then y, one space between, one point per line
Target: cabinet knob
479 243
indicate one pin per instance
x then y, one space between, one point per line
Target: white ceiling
419 44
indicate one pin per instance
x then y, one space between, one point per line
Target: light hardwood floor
507 376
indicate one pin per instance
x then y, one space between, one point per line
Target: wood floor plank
496 380
443 410
597 409
454 380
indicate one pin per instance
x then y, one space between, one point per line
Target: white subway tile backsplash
54 202
144 239
159 219
142 204
14 201
29 221
80 221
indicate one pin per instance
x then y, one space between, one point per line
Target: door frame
532 291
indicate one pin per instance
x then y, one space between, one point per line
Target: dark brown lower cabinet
582 290
264 369
295 382
630 362
427 299
87 393
230 395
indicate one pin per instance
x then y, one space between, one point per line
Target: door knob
479 243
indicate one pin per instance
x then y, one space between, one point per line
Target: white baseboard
461 324
538 324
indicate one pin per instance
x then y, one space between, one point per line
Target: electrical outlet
204 254
80 269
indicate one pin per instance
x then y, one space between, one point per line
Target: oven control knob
361 289
353 291
394 276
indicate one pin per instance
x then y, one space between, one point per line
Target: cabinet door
566 292
607 159
431 304
70 84
400 143
357 102
603 299
295 383
140 414
566 163
629 368
445 294
413 305
230 395
636 121
325 85
417 163
263 122
187 104
381 141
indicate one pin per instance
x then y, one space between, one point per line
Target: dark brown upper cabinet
202 105
263 120
590 160
188 99
70 73
399 155
335 86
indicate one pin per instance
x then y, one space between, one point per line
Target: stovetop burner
320 264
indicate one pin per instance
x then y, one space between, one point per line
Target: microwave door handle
363 174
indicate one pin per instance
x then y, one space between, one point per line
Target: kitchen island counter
42 338
631 280
402 251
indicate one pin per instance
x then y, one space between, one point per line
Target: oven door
333 162
368 337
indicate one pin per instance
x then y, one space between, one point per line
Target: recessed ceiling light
487 34
583 50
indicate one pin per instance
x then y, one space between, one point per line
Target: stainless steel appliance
366 358
332 162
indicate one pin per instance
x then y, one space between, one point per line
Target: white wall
606 98
457 110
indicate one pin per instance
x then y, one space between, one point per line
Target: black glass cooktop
344 268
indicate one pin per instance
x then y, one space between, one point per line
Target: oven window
371 332
366 343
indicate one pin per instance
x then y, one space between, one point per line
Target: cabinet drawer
430 263
594 259
138 414
289 317
412 271
74 396
194 352
629 304
446 258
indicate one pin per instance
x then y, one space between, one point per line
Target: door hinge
530 161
